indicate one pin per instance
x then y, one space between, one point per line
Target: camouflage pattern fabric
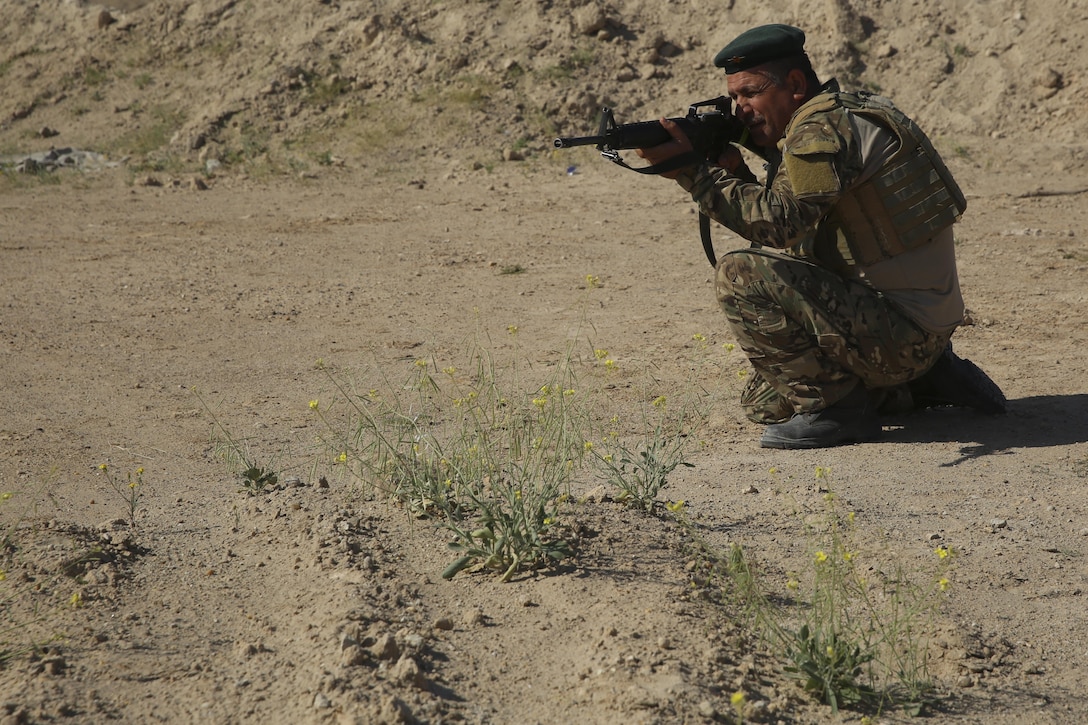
812 335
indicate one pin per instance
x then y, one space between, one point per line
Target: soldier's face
764 106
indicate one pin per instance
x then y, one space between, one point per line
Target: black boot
851 420
957 382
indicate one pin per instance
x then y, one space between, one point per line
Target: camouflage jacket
767 216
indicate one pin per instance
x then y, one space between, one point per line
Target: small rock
509 154
999 523
965 681
751 489
197 184
1034 668
887 50
47 132
472 617
407 672
443 623
707 710
105 19
385 648
353 655
54 666
1051 79
589 19
321 702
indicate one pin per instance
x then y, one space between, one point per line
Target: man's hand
730 159
680 144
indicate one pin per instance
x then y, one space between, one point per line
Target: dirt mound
170 84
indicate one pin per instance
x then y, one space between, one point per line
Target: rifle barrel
572 141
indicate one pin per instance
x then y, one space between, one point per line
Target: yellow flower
608 458
512 329
449 370
773 470
588 446
729 347
610 364
829 497
830 652
421 363
675 506
848 556
851 516
568 392
737 699
543 390
792 585
942 552
6 495
540 402
342 457
548 521
592 281
140 471
943 584
313 405
76 600
3 575
659 401
103 467
699 337
822 472
821 557
742 374
600 354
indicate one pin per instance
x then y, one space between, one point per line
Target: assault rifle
708 130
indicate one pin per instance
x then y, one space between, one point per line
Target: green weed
485 456
255 474
853 633
640 473
131 490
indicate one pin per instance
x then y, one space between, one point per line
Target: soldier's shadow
1037 422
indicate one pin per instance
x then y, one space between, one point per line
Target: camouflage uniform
811 322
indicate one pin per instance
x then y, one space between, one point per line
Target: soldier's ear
797 83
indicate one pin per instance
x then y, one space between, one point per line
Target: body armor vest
900 208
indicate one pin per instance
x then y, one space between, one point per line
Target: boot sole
783 443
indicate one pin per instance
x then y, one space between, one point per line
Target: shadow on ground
1037 422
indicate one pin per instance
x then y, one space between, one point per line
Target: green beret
761 45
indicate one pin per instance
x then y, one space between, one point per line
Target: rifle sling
708 243
676 162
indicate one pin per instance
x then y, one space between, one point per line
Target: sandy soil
131 294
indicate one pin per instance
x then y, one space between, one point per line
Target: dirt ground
131 293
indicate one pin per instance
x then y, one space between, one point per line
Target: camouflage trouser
812 335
